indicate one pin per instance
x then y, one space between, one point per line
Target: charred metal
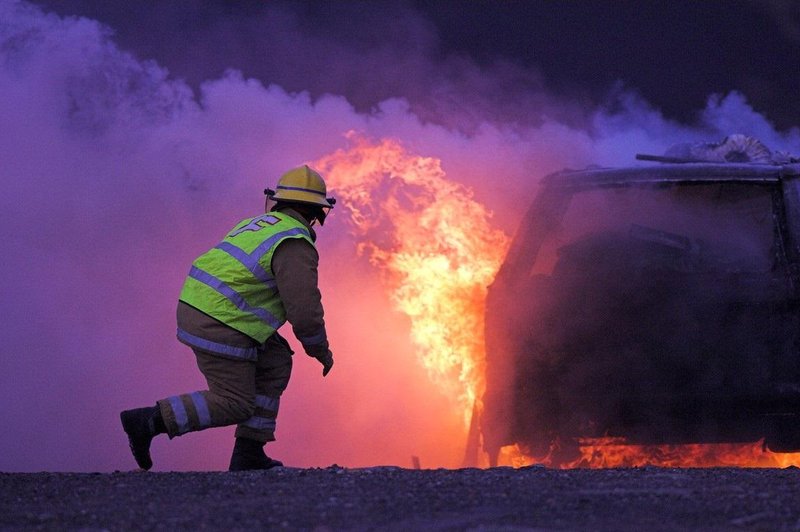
657 303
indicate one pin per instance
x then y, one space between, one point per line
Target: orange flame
435 247
614 452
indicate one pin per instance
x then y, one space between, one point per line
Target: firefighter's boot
142 425
249 455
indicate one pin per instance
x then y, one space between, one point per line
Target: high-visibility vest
233 282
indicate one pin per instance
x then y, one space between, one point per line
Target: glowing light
435 248
614 452
437 253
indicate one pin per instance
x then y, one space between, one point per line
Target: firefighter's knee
240 408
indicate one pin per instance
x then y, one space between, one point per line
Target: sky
134 137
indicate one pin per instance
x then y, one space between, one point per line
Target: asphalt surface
389 498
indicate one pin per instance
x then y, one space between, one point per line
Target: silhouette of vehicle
657 303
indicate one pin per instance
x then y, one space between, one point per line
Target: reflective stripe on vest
234 297
251 260
233 282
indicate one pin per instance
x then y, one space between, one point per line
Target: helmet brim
301 195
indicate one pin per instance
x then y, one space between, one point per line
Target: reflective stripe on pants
239 392
273 371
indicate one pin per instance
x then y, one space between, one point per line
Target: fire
435 247
614 452
437 252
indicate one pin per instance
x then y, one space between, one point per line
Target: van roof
672 174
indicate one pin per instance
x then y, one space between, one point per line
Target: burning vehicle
655 304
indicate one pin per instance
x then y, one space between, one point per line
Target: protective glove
327 362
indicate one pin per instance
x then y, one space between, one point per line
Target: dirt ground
390 498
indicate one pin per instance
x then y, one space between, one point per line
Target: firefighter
235 298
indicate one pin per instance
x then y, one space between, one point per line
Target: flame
437 252
435 248
614 452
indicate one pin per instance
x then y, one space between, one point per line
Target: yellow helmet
302 185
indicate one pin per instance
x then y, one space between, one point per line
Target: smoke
115 176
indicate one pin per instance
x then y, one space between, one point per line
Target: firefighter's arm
294 264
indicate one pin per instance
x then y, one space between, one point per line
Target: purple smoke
115 176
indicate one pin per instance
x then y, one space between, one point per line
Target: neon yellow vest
233 282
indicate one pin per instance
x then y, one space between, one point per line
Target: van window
727 227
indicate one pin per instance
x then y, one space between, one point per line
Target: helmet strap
311 213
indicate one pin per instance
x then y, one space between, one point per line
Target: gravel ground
390 498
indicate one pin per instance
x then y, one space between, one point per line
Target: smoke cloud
115 176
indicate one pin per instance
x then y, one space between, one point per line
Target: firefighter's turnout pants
242 390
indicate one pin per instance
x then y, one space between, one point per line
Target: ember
613 452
